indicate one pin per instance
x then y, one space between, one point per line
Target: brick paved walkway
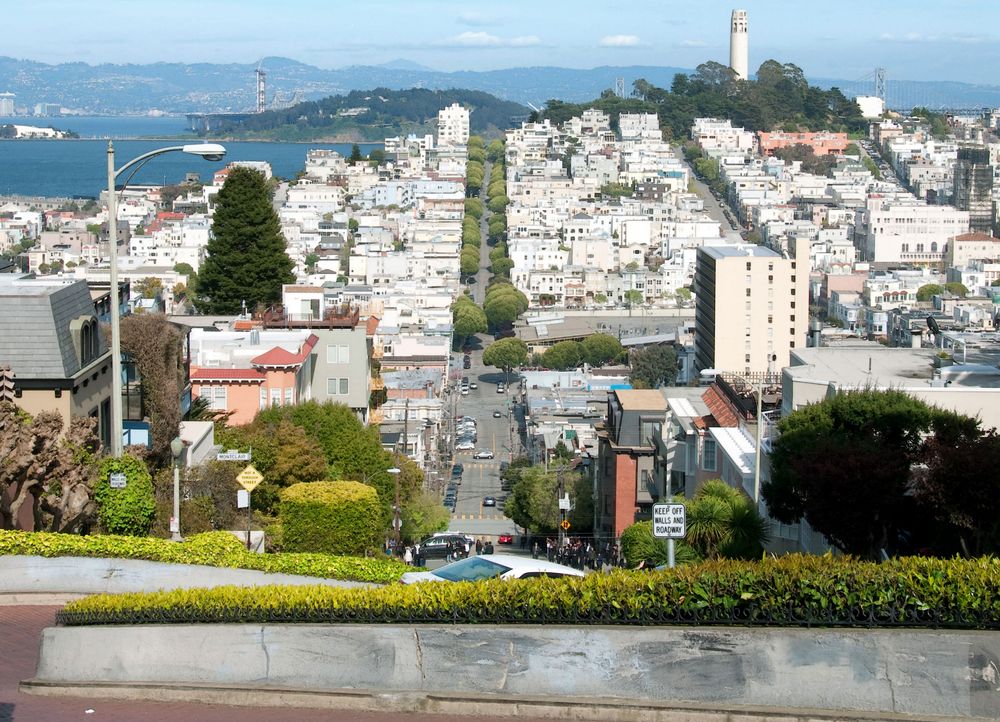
20 629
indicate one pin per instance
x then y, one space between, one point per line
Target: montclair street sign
233 455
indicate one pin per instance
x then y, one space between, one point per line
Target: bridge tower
261 85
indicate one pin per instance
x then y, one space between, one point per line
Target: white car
492 566
465 446
483 454
473 386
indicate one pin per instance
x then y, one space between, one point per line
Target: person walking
534 550
416 555
479 546
408 557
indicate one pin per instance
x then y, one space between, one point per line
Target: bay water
78 167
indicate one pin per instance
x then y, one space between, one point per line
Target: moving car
491 566
505 539
489 501
497 415
483 454
436 547
501 389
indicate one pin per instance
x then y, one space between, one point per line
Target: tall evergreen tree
246 255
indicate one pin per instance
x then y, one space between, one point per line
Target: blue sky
916 40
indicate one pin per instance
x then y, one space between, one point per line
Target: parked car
489 501
465 445
491 566
505 539
503 468
467 364
456 471
484 454
473 385
501 389
465 391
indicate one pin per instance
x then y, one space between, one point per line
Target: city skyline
843 41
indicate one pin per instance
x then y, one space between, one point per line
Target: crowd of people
577 552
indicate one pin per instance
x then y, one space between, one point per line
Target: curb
38 599
581 709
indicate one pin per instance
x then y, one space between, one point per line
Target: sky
913 40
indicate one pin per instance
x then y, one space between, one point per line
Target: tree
846 465
506 354
502 267
600 348
563 355
956 288
469 261
246 260
156 347
355 156
633 297
497 204
653 366
376 157
149 287
495 151
722 522
600 298
422 516
534 499
46 478
468 318
928 291
474 208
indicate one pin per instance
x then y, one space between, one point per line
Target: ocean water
71 168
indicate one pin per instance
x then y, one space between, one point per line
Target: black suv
456 471
436 547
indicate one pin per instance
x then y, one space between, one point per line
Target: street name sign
233 455
669 521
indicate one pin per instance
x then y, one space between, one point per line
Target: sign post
669 522
249 478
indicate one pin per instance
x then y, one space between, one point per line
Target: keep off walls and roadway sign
669 522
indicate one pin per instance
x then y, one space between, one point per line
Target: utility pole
562 512
406 428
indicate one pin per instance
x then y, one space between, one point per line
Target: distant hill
371 115
206 87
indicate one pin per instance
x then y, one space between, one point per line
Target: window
748 291
289 396
747 359
216 396
344 386
338 354
749 266
275 397
263 397
708 454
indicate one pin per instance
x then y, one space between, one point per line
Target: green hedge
217 549
130 510
336 517
789 591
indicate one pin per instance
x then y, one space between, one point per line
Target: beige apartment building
752 307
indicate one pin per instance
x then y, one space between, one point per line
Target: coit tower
739 45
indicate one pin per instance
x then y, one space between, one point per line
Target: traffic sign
669 521
249 478
565 524
117 480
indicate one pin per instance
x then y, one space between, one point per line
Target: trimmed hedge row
216 549
342 517
789 591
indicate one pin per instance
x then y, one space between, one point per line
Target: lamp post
177 450
397 522
758 388
208 151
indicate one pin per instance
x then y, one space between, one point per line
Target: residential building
821 142
965 248
54 349
453 125
626 450
974 187
752 306
904 230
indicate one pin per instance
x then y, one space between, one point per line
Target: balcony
339 317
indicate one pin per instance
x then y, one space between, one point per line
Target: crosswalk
467 517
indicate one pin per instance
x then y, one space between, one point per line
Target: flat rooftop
641 400
878 366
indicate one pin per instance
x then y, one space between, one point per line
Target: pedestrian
479 546
408 557
450 552
488 547
416 555
534 550
468 548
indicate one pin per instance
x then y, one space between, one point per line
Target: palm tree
722 522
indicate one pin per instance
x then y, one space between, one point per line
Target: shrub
790 591
338 517
218 549
130 510
639 545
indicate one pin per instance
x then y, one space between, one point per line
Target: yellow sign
565 524
249 478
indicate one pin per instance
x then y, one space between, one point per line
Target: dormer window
86 339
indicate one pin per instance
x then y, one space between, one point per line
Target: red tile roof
976 236
720 408
280 357
213 374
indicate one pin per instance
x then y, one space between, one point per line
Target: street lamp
758 388
397 522
208 151
177 450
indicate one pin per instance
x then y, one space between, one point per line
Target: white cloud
481 39
620 41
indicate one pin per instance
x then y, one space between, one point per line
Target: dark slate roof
35 315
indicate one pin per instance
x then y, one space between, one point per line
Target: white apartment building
752 307
453 125
908 231
718 137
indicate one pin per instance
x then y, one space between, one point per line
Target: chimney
815 333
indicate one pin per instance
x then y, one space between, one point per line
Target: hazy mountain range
206 87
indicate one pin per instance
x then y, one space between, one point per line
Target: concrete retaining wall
915 673
84 575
